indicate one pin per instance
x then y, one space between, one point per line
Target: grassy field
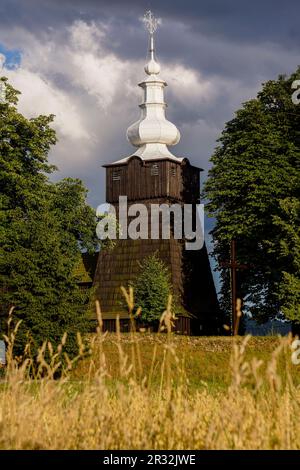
204 360
142 391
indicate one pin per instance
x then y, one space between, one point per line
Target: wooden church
153 175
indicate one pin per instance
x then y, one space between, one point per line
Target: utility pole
234 267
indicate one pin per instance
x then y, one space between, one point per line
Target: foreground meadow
142 391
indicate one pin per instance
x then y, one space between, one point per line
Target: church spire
153 133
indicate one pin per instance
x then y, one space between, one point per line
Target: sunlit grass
140 391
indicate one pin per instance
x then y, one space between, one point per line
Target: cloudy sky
82 59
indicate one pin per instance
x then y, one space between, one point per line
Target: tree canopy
152 288
44 227
253 193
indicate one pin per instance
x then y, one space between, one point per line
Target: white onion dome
153 131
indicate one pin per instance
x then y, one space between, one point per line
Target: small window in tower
116 175
173 171
154 169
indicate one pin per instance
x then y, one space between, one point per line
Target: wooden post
234 266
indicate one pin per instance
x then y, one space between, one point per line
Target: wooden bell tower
153 175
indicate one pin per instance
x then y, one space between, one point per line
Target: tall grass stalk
260 409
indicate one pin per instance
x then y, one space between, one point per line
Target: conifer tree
152 288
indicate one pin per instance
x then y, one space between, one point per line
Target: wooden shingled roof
85 270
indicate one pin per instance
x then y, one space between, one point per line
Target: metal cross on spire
151 24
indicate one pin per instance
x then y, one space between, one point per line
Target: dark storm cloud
219 37
234 20
235 43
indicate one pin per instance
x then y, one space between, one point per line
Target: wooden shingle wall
168 182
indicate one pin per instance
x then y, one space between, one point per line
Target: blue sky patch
12 57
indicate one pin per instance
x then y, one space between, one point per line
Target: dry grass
205 360
152 405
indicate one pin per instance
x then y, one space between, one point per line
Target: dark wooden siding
168 182
182 326
137 180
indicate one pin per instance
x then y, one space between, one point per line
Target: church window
116 175
154 169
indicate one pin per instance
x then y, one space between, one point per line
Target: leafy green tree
152 289
43 228
288 224
255 168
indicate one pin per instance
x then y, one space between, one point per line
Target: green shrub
152 288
